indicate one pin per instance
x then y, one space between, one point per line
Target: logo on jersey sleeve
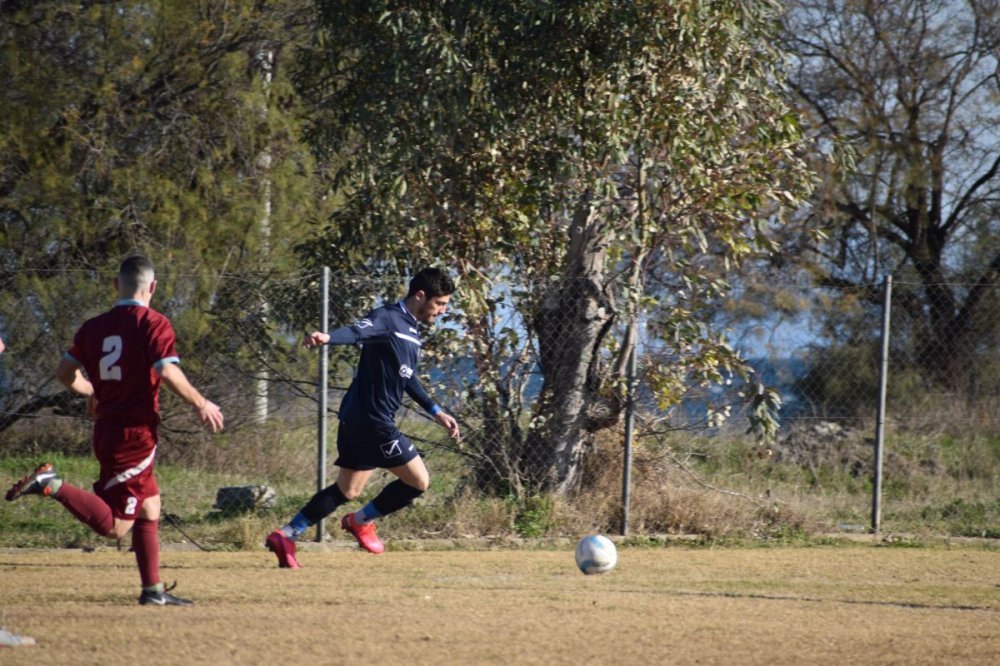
405 371
363 323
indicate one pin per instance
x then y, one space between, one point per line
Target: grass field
839 604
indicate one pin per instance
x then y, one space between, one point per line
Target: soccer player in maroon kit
126 353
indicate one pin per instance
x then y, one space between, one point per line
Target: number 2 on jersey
112 352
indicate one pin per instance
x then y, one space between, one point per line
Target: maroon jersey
120 351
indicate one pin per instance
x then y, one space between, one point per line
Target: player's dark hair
433 282
135 265
136 270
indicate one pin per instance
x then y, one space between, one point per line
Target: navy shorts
367 446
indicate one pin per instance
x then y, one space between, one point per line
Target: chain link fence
928 353
239 336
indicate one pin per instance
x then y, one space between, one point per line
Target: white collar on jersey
131 301
402 306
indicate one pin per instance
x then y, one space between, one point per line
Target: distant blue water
780 374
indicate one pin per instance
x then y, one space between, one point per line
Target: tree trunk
573 316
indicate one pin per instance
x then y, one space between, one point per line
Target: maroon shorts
126 455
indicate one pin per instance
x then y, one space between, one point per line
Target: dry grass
669 497
862 604
936 483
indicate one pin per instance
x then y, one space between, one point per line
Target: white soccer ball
595 554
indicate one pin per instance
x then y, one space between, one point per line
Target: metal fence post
629 427
324 359
880 421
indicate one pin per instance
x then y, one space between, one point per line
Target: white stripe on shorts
129 473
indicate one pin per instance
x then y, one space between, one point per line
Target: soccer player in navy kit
126 352
367 437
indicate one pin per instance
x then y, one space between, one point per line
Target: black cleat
163 598
36 483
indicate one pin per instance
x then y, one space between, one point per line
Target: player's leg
96 509
281 541
414 474
412 479
350 483
85 506
146 545
354 473
411 482
129 486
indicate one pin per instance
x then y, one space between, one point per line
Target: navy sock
395 496
322 504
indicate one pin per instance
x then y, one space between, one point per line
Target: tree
576 164
137 126
908 92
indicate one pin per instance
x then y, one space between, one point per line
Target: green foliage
974 519
492 118
150 127
496 125
140 126
534 515
763 414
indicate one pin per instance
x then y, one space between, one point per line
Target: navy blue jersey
390 351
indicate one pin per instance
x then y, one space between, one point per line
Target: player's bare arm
208 412
68 373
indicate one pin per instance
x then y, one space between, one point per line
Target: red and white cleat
365 534
36 483
284 548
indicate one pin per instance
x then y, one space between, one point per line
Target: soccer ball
595 554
